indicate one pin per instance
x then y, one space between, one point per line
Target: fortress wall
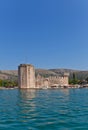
26 78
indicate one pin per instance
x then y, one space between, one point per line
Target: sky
45 33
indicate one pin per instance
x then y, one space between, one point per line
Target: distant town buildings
27 79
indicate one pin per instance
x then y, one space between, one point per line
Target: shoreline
45 88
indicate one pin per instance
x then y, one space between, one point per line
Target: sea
55 109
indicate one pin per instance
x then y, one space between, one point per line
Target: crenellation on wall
51 81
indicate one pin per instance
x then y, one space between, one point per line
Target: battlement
66 74
25 65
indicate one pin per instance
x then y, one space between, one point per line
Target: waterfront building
27 79
52 81
26 76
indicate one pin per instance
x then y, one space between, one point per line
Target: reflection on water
26 104
65 91
27 93
59 109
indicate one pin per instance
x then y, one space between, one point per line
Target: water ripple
63 109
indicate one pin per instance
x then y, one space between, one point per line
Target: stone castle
27 79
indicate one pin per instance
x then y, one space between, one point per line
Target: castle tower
26 76
66 79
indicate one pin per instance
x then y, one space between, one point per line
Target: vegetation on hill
8 79
8 83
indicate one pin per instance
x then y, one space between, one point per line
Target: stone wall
51 81
26 76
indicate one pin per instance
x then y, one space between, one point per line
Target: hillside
79 74
9 74
13 74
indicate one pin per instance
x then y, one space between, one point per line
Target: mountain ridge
13 74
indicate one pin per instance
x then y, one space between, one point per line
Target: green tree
74 80
87 79
0 82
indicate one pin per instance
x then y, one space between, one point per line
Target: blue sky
45 33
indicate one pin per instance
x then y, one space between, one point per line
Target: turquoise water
61 109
